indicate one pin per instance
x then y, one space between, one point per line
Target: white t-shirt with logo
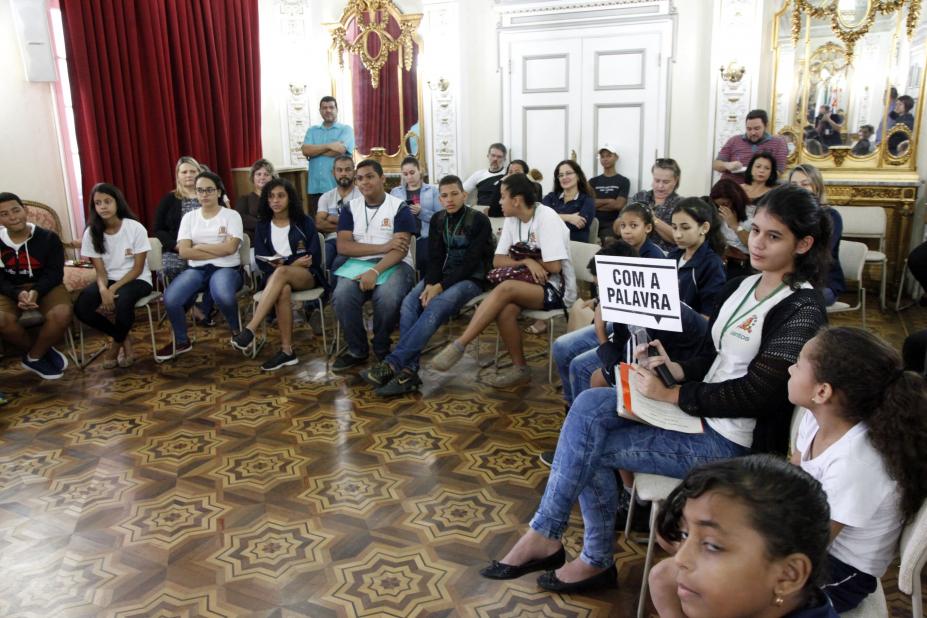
547 231
737 346
213 231
120 250
861 494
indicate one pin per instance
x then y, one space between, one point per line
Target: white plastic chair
301 296
913 558
868 222
594 230
853 260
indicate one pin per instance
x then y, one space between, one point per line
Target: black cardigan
167 221
763 392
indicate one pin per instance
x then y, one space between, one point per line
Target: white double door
567 92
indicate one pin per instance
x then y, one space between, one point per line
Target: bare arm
188 251
664 229
394 255
610 204
331 149
349 247
326 223
726 166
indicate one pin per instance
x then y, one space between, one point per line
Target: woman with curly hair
863 437
761 176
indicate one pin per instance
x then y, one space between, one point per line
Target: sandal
534 330
111 363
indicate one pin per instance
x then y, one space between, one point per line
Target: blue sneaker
58 360
43 367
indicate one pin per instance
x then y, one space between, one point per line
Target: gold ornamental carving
847 34
372 18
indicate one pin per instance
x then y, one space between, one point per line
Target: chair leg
322 320
631 506
862 300
882 291
151 328
901 281
648 560
550 347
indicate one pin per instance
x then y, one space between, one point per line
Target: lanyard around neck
447 233
735 316
530 221
367 216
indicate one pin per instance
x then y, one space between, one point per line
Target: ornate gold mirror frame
800 14
372 31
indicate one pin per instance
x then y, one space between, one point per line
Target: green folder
354 267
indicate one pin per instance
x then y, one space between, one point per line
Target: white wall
30 158
690 109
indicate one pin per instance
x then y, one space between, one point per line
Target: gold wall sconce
733 72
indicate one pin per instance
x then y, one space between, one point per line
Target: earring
778 601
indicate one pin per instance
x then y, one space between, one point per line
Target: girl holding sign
737 385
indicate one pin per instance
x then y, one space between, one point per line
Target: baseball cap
607 146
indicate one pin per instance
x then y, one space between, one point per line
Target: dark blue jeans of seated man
418 324
387 298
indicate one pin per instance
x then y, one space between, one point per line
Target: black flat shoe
500 570
600 581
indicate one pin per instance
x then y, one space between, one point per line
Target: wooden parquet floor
204 487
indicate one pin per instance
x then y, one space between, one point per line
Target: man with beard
324 142
739 149
332 202
484 183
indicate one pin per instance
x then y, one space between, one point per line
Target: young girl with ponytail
863 437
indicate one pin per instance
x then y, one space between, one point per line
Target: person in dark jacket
460 253
737 386
32 278
573 198
808 177
287 250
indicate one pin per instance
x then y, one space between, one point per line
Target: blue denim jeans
417 325
221 283
594 442
576 359
349 301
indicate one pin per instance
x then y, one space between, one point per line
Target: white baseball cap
607 146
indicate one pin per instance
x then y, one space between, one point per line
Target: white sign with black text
641 291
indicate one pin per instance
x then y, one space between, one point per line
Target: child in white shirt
863 437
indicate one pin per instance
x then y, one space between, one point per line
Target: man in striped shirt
737 152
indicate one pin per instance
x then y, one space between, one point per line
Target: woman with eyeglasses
573 198
661 199
209 238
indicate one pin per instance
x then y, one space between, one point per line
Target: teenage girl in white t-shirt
208 239
555 282
117 245
863 436
737 385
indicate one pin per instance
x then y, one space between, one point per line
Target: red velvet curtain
376 110
152 80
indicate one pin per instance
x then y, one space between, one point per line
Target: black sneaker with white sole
406 381
243 340
278 360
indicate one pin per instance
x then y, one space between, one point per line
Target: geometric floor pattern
205 487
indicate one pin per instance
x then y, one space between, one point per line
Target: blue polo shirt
320 167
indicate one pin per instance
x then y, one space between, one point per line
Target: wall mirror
847 82
374 59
